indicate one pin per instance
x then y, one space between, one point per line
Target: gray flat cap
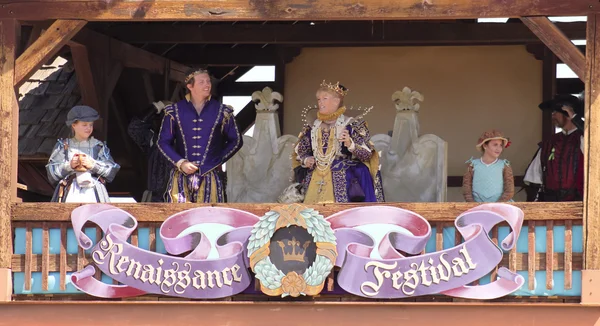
82 113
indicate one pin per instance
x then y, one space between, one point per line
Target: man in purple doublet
198 135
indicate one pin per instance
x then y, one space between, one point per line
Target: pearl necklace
324 160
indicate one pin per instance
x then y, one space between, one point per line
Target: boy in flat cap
80 165
556 172
197 136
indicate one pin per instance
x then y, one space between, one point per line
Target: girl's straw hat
491 135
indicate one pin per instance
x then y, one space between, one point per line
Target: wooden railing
558 261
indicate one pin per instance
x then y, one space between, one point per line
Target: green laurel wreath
267 272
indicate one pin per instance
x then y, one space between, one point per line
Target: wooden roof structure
164 38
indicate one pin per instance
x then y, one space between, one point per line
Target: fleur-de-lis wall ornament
407 99
266 99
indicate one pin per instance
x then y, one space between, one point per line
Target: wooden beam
243 55
50 42
246 117
569 86
336 33
37 181
9 134
158 212
455 181
148 89
558 42
280 81
85 78
131 56
244 88
548 91
232 10
591 199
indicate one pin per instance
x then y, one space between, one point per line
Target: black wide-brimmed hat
82 113
561 100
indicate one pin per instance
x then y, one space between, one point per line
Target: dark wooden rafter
569 86
148 88
333 33
549 88
28 35
238 56
232 10
85 77
44 47
244 88
280 87
558 42
122 123
131 56
246 117
34 176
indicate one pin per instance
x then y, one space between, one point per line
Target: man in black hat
556 172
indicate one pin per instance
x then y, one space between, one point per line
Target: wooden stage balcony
548 254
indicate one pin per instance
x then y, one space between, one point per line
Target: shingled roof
44 101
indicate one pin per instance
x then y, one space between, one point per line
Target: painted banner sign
292 249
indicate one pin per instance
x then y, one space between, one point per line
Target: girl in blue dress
489 178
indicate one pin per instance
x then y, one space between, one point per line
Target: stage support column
9 136
591 210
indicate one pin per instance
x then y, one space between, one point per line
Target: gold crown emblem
299 256
335 87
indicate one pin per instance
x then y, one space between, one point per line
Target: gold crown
194 73
335 87
293 255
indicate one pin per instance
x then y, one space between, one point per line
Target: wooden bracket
47 45
556 40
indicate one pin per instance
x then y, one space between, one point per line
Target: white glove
159 106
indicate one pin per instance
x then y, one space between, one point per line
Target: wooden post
556 40
548 91
280 82
85 78
591 212
9 117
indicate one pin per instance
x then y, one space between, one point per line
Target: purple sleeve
231 134
304 146
360 136
166 137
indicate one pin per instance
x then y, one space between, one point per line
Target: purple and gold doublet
207 139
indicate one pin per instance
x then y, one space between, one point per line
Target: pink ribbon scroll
187 272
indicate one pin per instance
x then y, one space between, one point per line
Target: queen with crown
335 154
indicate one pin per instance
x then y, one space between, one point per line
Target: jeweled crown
335 87
194 73
293 255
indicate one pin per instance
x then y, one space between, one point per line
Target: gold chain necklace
324 160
